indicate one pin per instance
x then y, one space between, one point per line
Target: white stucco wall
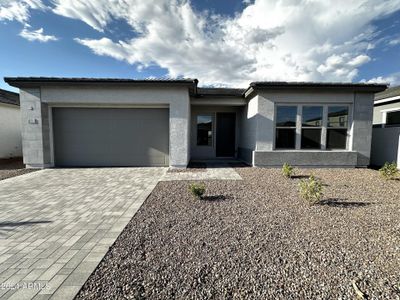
380 110
10 131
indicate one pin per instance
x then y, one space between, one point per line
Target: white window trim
384 114
324 127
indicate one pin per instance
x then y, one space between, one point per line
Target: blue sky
222 43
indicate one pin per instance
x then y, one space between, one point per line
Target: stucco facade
251 117
386 131
10 131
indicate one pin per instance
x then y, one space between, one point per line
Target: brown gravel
12 167
256 239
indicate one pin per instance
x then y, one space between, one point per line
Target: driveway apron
56 225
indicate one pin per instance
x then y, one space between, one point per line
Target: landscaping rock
259 240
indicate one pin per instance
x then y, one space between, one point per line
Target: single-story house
386 132
73 122
10 125
387 108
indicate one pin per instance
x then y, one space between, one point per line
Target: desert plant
197 189
389 171
287 170
311 190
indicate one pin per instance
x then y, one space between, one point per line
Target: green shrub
287 170
311 190
197 189
389 171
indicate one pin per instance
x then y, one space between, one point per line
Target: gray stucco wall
37 141
305 158
260 127
361 130
35 129
209 152
385 146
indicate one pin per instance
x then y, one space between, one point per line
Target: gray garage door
96 137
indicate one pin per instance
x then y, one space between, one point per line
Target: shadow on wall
385 146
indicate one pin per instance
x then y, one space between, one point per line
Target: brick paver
57 224
213 171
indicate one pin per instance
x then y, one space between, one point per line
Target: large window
286 127
204 130
319 126
311 127
336 134
393 118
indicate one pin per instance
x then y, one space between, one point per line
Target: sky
223 43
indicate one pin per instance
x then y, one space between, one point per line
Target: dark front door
226 123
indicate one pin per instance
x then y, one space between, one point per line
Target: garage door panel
111 137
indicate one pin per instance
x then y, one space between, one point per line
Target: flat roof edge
367 87
32 81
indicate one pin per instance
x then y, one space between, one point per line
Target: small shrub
311 190
389 171
197 189
287 170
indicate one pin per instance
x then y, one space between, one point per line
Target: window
204 130
321 127
393 118
285 135
336 134
311 127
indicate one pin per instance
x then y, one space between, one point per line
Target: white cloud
11 10
392 79
291 40
36 35
394 42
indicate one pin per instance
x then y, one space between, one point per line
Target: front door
226 124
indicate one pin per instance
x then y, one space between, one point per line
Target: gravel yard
12 167
257 239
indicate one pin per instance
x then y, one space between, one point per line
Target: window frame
384 116
339 127
312 127
211 115
286 127
324 127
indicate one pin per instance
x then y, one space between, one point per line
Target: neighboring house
386 132
10 125
123 122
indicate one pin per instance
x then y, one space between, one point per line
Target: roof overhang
9 98
387 100
23 82
326 86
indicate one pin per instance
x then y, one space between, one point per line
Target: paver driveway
57 224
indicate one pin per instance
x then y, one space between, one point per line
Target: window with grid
311 127
285 134
336 132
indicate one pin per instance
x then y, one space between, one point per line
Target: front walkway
213 171
57 224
